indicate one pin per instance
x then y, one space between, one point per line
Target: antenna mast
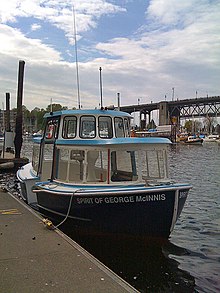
100 69
76 56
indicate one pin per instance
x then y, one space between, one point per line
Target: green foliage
151 125
36 115
209 124
188 126
193 126
55 107
217 128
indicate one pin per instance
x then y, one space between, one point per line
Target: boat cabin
95 147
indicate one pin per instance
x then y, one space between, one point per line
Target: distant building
29 123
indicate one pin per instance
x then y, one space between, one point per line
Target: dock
10 162
35 259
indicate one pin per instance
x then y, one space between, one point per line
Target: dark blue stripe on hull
139 214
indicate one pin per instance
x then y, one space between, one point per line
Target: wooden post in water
18 127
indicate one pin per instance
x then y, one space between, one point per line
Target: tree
188 126
217 128
37 115
209 124
197 126
193 126
55 107
151 125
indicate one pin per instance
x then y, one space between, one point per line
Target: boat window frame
65 127
118 174
37 148
80 127
71 156
119 127
52 134
126 127
111 127
161 164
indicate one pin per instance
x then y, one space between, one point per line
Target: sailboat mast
76 59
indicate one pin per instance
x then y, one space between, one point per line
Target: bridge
170 112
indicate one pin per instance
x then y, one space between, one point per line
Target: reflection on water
146 265
190 260
198 229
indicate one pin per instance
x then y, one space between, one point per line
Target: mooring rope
67 215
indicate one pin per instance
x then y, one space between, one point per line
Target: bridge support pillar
164 118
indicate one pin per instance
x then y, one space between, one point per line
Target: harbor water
190 260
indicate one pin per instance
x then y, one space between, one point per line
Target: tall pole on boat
100 79
118 95
51 106
76 58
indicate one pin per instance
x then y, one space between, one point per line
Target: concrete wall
164 118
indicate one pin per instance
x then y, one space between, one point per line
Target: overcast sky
145 49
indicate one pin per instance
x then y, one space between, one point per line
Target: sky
145 49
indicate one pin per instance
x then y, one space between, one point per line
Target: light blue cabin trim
114 141
37 140
85 189
112 113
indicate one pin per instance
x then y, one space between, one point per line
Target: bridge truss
201 107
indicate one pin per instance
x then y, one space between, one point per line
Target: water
190 260
198 230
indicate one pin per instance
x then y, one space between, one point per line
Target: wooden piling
18 127
7 125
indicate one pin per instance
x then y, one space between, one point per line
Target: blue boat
88 171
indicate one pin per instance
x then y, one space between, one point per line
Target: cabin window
70 165
47 160
105 127
97 166
52 128
154 164
69 127
123 166
36 156
127 128
87 127
119 129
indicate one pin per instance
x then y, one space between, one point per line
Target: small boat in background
182 137
193 139
212 138
37 134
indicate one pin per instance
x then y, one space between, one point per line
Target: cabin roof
113 113
114 141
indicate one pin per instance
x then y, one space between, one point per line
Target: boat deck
35 259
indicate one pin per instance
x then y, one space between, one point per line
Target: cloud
59 13
35 27
177 46
14 43
184 55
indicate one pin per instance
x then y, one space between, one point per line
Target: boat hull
148 213
196 142
26 181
